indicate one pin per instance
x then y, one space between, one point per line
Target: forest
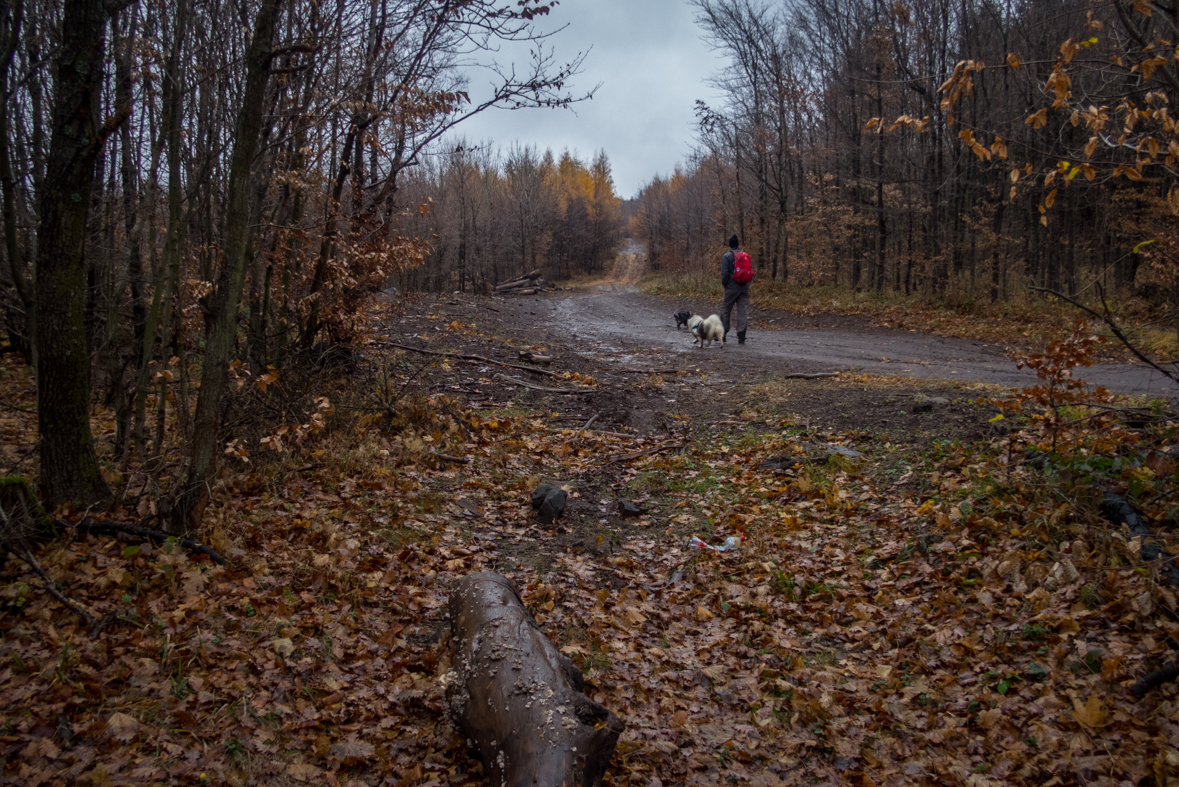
969 152
213 189
291 492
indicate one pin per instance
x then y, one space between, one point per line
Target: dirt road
615 320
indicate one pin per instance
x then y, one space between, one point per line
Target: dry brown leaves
862 635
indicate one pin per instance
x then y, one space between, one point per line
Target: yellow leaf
1050 199
1013 60
1090 714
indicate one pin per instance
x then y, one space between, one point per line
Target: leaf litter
927 614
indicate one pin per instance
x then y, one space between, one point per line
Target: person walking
736 274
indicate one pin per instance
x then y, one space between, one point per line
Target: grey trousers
738 297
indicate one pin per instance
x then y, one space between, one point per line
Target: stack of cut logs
528 284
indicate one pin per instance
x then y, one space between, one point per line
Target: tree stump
518 699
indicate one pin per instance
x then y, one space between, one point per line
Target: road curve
617 315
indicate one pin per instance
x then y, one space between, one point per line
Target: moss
17 497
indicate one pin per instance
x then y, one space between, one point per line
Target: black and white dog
681 319
710 330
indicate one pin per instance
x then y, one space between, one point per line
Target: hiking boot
740 337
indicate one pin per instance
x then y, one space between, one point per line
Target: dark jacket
727 263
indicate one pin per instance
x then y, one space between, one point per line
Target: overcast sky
652 66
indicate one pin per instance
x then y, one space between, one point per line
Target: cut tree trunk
517 697
513 285
519 281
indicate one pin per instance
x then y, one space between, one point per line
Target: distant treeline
491 215
959 149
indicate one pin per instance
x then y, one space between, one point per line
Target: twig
31 561
471 359
651 371
582 429
134 530
517 381
646 452
816 375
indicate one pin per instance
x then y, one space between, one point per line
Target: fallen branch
582 429
814 376
523 384
472 359
528 355
1155 679
86 526
1116 329
650 371
26 556
517 698
1119 512
645 452
464 460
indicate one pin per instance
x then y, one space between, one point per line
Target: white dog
710 330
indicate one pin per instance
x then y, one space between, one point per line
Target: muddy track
614 320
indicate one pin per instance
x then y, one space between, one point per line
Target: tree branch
1108 319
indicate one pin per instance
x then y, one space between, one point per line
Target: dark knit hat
733 242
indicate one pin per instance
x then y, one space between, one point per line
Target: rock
925 404
540 494
781 462
549 502
629 509
841 450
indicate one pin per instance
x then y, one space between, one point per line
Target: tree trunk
517 697
69 465
221 319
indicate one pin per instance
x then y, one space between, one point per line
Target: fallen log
468 358
523 384
511 285
517 697
519 281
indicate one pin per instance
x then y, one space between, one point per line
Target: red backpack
742 267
